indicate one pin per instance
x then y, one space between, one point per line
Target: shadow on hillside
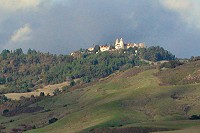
127 130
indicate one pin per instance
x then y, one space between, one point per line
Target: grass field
194 129
49 89
124 100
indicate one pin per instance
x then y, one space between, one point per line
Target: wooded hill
24 72
147 98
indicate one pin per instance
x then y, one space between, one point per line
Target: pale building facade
141 45
104 48
91 49
132 45
119 44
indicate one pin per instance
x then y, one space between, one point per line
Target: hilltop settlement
119 44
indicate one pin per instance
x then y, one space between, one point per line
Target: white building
91 49
141 45
104 48
119 44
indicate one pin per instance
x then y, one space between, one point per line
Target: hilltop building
132 45
91 49
104 48
119 44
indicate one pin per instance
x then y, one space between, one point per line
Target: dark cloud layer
74 24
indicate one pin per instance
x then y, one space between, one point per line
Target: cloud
19 38
22 34
177 5
62 26
187 9
14 5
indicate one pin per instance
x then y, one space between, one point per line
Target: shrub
171 64
22 98
72 83
65 88
56 92
3 99
5 111
195 117
53 120
85 79
42 94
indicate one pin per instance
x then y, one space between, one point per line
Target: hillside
133 101
47 90
136 100
25 72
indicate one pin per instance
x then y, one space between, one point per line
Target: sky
63 26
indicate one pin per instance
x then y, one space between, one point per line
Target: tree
18 51
96 48
5 111
4 54
53 120
3 99
22 98
171 64
85 79
72 83
2 80
56 92
31 52
155 53
195 117
42 94
65 88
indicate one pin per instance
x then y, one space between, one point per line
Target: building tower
119 44
117 41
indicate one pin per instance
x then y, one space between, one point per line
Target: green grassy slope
124 101
134 98
194 129
184 74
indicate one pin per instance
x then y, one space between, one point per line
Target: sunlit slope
188 73
48 90
125 100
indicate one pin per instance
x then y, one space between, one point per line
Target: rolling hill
137 100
